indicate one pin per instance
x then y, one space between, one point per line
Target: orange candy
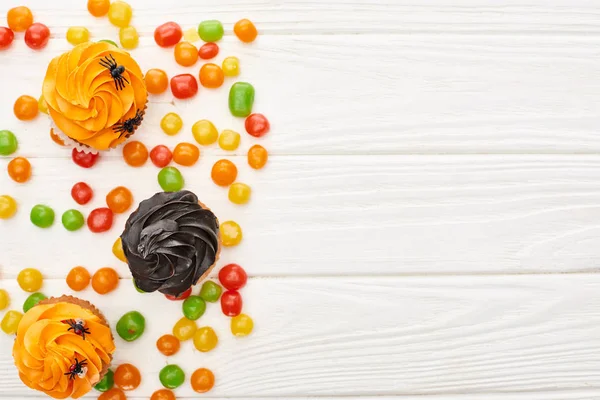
26 108
257 156
19 18
163 394
202 380
119 199
105 280
19 169
245 30
127 377
168 345
78 279
211 76
186 154
156 80
186 54
224 172
98 8
113 394
135 153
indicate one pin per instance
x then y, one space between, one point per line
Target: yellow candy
129 37
191 35
8 207
231 66
205 132
10 322
171 124
117 250
42 105
239 193
229 140
4 299
242 325
205 339
231 233
184 329
30 279
119 14
77 35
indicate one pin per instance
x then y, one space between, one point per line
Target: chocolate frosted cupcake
171 242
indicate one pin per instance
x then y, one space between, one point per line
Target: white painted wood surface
431 138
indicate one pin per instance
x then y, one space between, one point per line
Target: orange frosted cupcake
96 96
64 347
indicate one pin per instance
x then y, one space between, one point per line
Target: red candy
183 296
168 34
161 156
100 220
6 37
208 51
84 160
37 36
184 86
82 193
233 277
231 303
257 125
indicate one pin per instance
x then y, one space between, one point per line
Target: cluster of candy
20 19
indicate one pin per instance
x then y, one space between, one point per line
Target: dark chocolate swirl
170 241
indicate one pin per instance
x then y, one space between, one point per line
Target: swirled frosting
86 102
45 349
170 242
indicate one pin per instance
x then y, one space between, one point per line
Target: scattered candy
208 51
233 277
6 37
205 339
191 35
105 280
210 292
77 35
210 31
168 34
4 299
72 220
231 303
26 108
231 233
129 37
163 394
161 156
32 301
98 8
83 159
8 207
241 99
193 307
43 108
37 36
30 280
78 279
136 287
100 220
171 124
184 86
231 66
211 76
10 322
107 382
117 250
119 199
19 18
8 143
168 345
257 125
171 376
42 216
241 325
229 140
186 154
205 132
119 14
239 193
156 80
257 156
130 327
202 380
170 179
127 377
19 169
186 54
135 153
82 193
245 30
184 329
182 296
113 394
224 172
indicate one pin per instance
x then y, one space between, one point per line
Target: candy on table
231 303
83 159
231 233
168 345
120 13
117 250
113 394
19 169
186 54
6 37
136 287
37 36
191 35
163 394
184 329
241 325
210 291
171 376
208 51
257 125
186 154
100 220
170 179
233 277
193 307
157 81
224 172
168 34
130 327
184 86
42 216
241 99
8 143
257 156
229 140
231 66
135 153
129 37
202 380
8 207
72 220
161 156
210 31
205 132
82 193
245 30
127 377
239 193
19 18
77 35
32 301
26 108
43 107
10 322
4 299
119 199
78 278
98 8
181 297
171 124
30 280
205 339
105 280
107 382
211 76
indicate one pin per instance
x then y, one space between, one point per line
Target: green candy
8 143
32 301
136 287
72 220
170 179
210 31
241 99
210 291
193 307
171 376
42 216
109 41
106 383
131 326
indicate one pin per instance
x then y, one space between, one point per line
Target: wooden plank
375 336
343 215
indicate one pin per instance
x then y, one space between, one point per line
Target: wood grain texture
374 336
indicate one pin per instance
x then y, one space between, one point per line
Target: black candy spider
116 71
77 326
129 126
78 369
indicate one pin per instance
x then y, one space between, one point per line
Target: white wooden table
428 225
